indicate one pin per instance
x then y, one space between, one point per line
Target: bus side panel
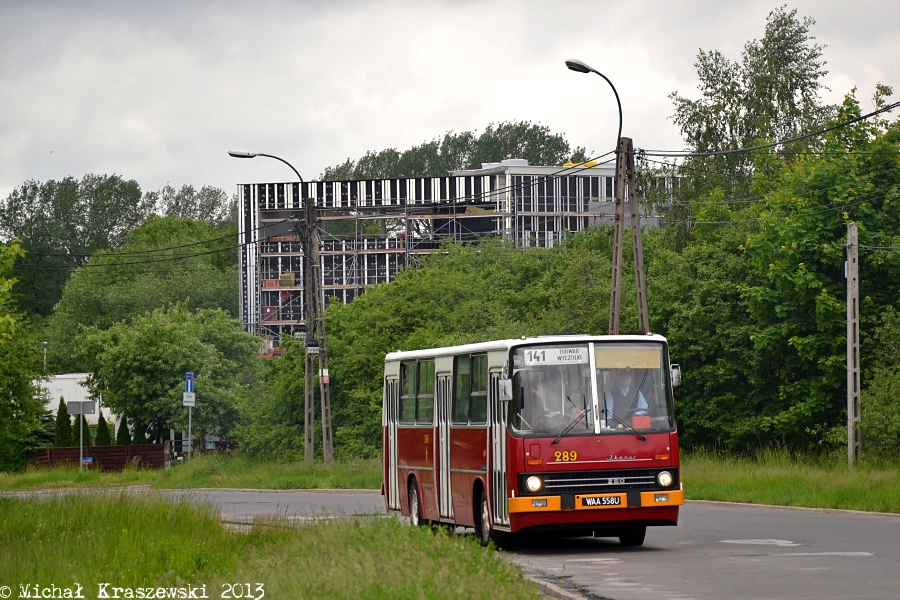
468 463
416 458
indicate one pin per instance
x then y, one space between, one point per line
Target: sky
159 91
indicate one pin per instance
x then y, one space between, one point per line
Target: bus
570 435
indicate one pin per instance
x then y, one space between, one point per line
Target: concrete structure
372 229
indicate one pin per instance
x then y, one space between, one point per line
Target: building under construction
370 230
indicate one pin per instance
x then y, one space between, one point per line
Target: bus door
497 454
391 413
442 445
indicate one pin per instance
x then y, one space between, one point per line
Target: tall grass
128 541
779 477
215 471
209 471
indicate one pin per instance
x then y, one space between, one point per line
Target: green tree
208 205
880 422
102 438
798 304
61 224
165 260
139 368
272 418
123 436
63 437
467 150
771 94
81 432
21 401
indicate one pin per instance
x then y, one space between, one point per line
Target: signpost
190 400
83 407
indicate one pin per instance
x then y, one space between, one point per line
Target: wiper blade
628 427
569 427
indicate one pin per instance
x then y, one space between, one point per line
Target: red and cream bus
572 435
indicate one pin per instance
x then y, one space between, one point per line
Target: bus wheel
483 527
415 509
633 536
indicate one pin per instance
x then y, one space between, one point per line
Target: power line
683 154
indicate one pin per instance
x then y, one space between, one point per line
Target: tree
209 205
81 432
103 438
21 401
798 302
63 437
772 94
123 436
466 150
165 260
139 368
880 422
61 224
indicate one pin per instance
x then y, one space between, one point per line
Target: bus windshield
590 389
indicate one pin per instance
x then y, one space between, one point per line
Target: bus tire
633 536
415 507
483 526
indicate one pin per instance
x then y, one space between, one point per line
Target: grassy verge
777 478
215 471
131 542
209 471
783 479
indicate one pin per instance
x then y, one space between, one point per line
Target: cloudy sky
159 91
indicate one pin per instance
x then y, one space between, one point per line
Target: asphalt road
721 551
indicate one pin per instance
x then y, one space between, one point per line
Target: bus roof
512 343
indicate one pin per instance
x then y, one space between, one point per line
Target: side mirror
506 390
675 371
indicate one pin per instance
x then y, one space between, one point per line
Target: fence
106 458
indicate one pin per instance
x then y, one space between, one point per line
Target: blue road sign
189 382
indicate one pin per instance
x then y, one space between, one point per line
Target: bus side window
462 388
478 399
425 395
408 392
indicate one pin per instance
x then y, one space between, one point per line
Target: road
718 551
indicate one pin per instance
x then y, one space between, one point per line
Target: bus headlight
534 484
664 479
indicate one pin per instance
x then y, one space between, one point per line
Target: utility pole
313 296
625 172
852 272
314 310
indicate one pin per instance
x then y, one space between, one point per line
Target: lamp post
315 325
582 67
45 355
624 170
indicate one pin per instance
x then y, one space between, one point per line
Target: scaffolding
373 229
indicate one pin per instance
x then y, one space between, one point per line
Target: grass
784 479
129 541
208 471
770 477
216 471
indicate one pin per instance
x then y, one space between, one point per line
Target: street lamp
582 67
45 355
242 154
624 169
315 326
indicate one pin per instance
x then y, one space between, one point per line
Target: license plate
594 501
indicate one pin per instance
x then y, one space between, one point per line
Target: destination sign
577 355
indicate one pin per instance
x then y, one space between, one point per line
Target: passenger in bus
625 399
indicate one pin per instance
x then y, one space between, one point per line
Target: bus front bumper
566 502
